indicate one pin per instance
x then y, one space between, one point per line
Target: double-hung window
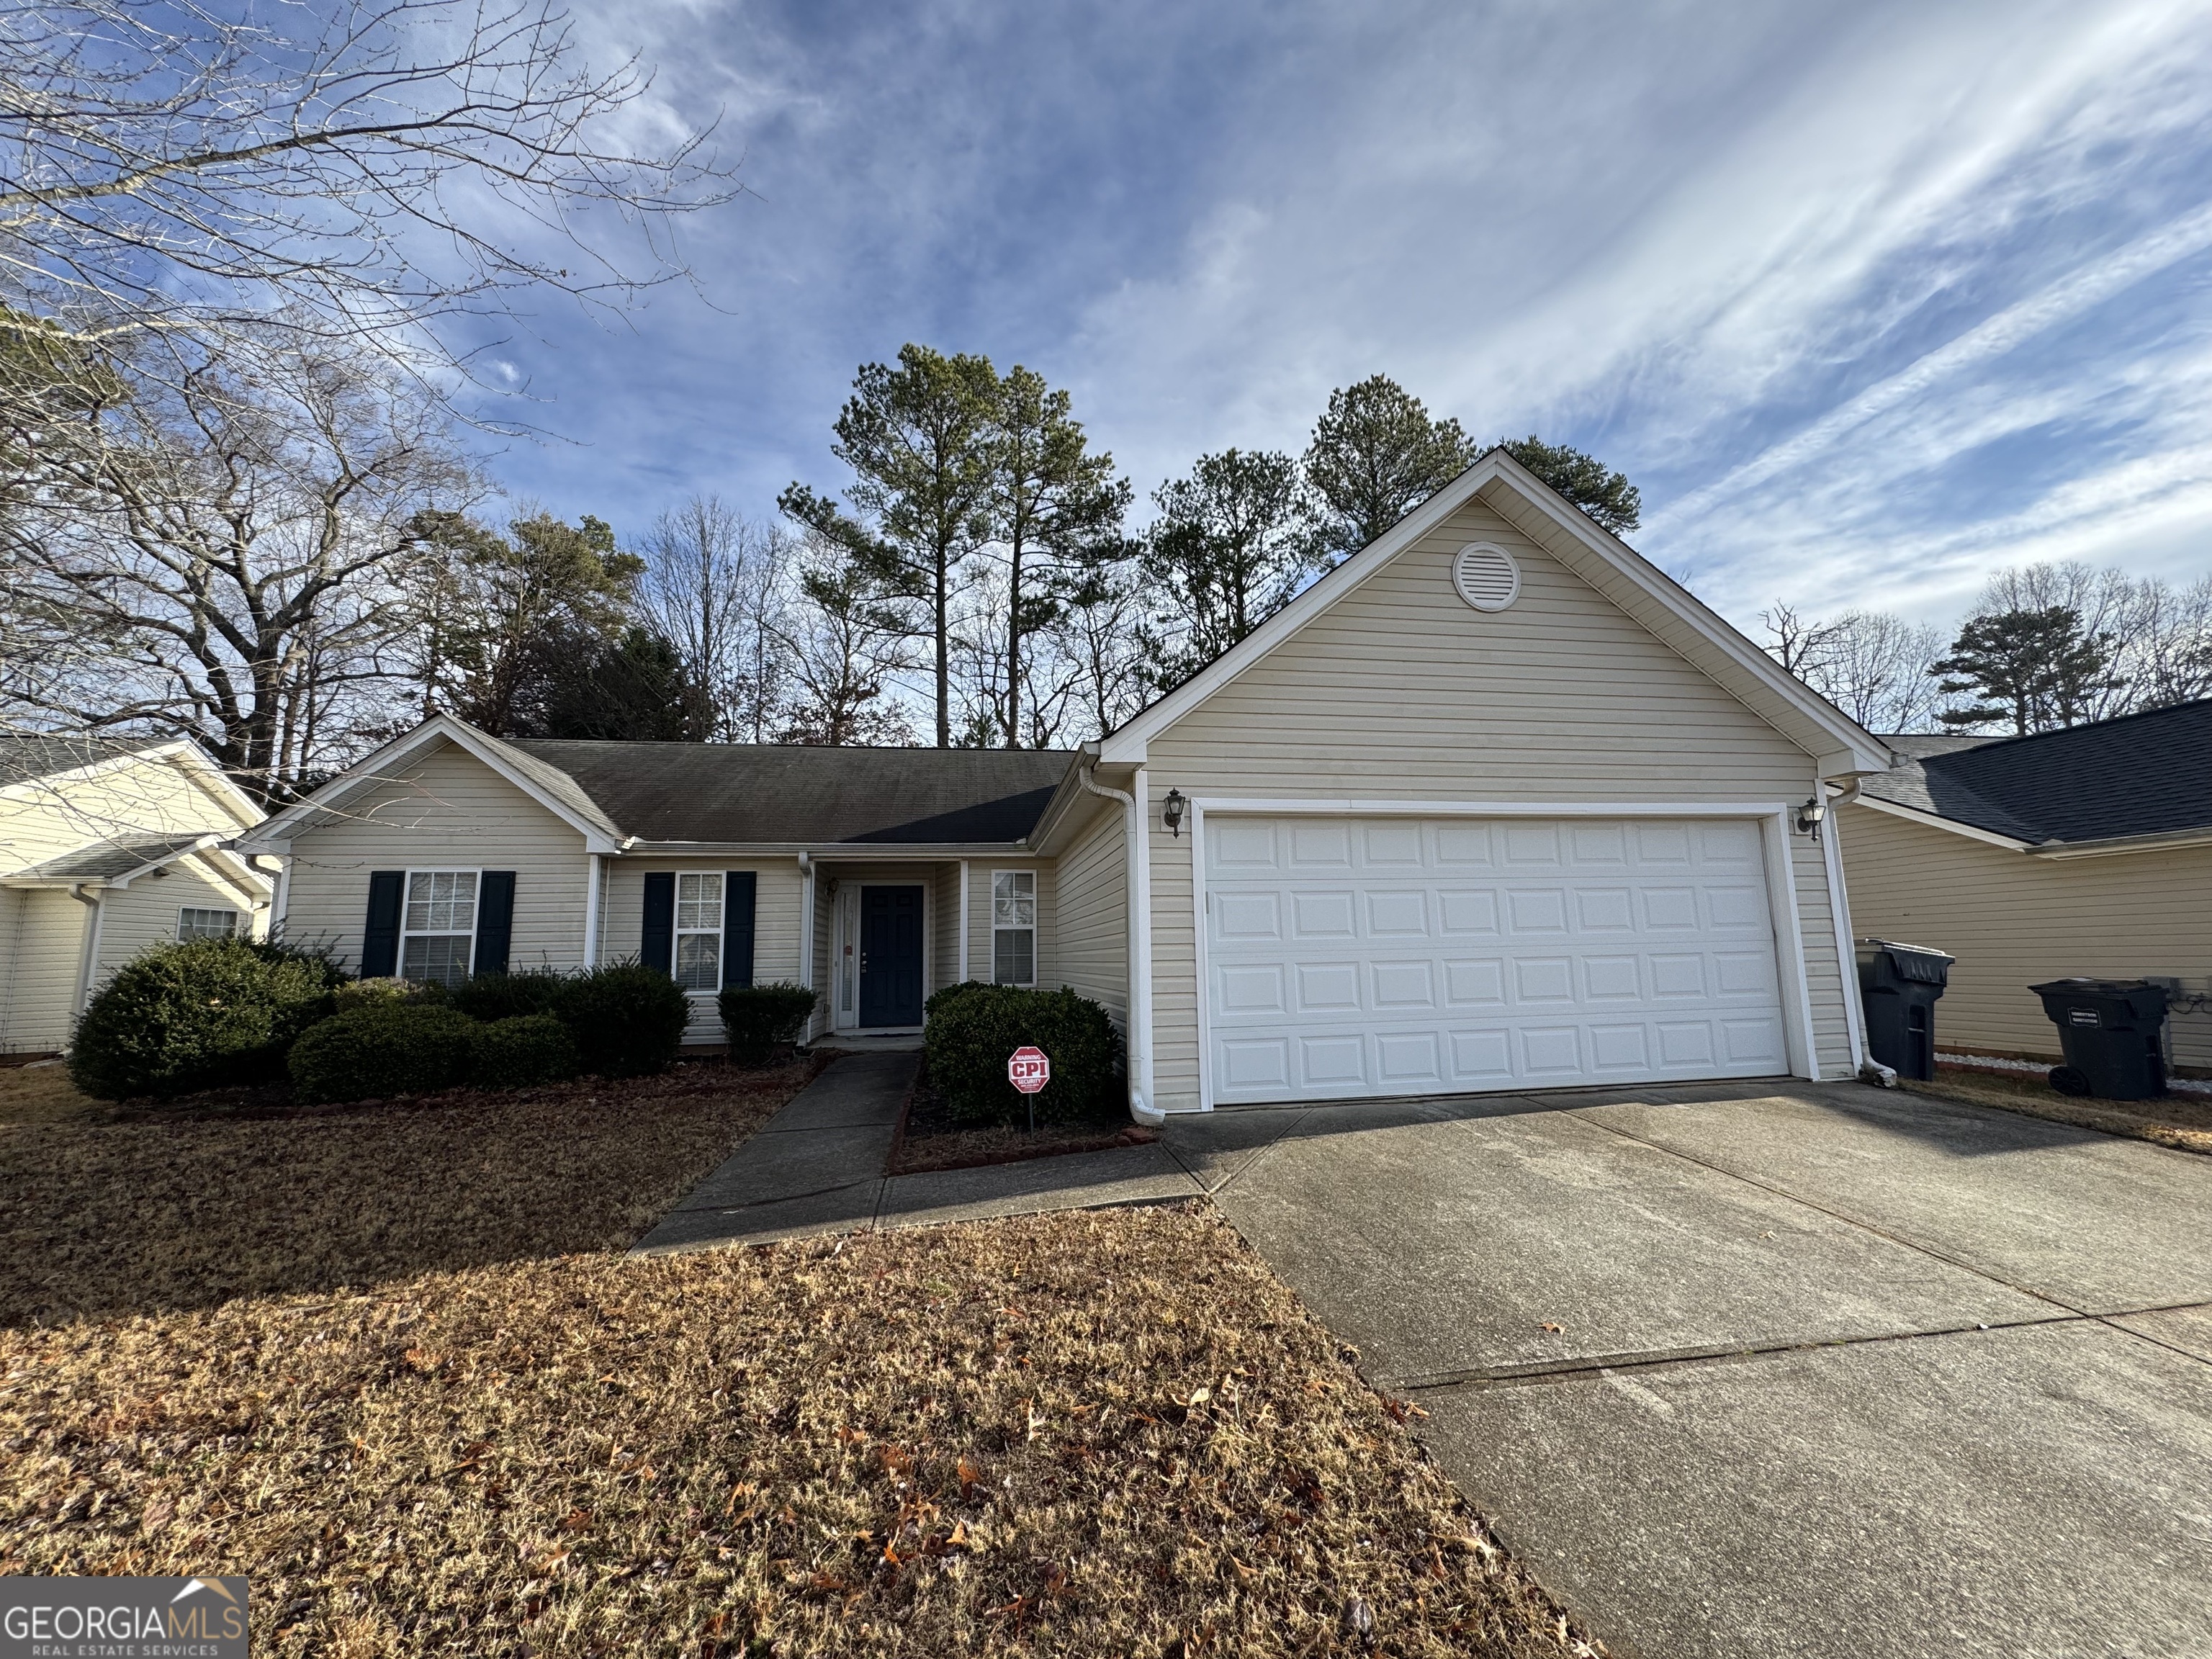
206 924
699 932
438 932
1013 928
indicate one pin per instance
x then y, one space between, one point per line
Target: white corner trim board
1791 1009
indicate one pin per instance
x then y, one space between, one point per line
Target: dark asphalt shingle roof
25 755
2141 774
104 860
742 793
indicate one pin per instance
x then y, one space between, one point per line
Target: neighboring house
2082 852
108 847
1493 805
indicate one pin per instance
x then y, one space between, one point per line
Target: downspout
806 938
1839 912
1140 954
591 868
91 964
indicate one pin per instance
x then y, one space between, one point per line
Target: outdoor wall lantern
1810 816
1171 811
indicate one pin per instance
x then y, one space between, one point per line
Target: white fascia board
2114 845
1937 820
1863 751
367 774
167 858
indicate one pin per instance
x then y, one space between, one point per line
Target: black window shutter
656 946
495 920
380 935
740 888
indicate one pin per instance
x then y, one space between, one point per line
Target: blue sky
1870 299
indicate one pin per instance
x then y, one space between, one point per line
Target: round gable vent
1487 576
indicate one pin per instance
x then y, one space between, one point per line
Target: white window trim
1799 1038
678 932
400 963
232 911
1032 930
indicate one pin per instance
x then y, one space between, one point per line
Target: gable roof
2146 775
791 794
30 755
1661 605
668 795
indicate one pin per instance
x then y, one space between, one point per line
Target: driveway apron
1807 1370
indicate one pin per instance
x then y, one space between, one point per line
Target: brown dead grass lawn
105 1210
1101 1433
2183 1121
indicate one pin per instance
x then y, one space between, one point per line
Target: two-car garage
1357 957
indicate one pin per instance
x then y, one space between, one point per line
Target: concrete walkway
817 1167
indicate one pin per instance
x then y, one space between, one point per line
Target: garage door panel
1339 966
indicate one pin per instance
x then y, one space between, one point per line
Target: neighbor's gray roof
25 755
107 860
2141 774
793 795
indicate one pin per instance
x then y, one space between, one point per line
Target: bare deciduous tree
1874 666
226 558
354 165
717 586
847 646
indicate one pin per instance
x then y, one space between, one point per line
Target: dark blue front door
891 956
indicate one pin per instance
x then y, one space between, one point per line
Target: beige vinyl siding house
1493 805
109 847
2083 853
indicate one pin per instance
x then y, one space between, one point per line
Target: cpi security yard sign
1029 1069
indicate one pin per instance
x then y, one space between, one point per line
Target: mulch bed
2183 1121
150 1205
1097 1433
931 1137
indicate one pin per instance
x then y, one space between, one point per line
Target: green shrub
491 997
521 1052
756 1019
969 1038
196 1015
391 1048
952 994
627 1020
370 993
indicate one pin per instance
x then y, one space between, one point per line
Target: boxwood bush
521 1052
627 1020
391 1048
362 993
492 997
199 1015
970 1037
757 1018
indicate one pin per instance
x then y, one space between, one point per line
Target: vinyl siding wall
41 954
2014 920
1402 691
775 921
1092 913
448 812
145 913
944 965
134 799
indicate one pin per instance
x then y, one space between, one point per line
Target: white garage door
1362 957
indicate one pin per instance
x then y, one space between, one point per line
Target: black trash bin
2113 1032
1899 985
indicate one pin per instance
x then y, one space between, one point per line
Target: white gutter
1839 912
1140 946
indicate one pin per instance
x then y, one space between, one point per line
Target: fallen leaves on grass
167 1209
771 1452
2183 1121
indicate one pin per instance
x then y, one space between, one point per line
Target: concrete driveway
1770 1370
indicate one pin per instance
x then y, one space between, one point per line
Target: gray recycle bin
1899 985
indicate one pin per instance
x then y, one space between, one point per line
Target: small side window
1013 928
206 924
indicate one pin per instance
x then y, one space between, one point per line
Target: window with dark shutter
495 920
379 934
656 946
741 892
